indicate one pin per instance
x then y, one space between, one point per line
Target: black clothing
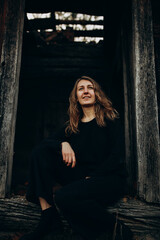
49 221
83 204
99 154
99 150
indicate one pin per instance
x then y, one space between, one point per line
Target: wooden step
18 215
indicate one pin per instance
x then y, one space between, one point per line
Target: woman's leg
46 167
44 204
82 204
43 160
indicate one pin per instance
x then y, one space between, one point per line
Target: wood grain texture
145 103
9 79
16 214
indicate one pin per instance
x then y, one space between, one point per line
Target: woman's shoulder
113 122
115 125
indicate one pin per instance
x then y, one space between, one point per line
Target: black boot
122 232
50 222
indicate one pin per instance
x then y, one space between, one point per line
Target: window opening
60 27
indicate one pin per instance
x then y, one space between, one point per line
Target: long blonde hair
103 107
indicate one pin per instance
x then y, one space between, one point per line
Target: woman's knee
63 199
40 155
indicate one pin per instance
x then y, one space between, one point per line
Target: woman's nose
86 90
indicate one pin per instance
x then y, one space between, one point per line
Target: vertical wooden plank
9 83
3 4
145 102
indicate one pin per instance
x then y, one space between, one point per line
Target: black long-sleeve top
99 150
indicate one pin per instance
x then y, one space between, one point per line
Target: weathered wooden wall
9 78
144 102
141 109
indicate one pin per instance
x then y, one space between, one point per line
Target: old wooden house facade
35 81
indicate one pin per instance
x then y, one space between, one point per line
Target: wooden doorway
48 73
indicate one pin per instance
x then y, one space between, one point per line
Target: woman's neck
88 114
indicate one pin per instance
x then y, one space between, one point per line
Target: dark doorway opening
48 73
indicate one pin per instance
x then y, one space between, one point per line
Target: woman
86 157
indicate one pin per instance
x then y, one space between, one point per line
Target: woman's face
85 93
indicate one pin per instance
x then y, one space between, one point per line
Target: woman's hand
68 154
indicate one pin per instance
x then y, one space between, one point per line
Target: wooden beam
9 77
89 33
94 8
47 23
145 102
19 215
81 22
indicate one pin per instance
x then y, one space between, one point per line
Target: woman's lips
86 97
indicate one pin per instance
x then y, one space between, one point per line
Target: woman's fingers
73 161
69 160
68 154
64 157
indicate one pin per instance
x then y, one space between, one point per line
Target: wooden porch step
18 215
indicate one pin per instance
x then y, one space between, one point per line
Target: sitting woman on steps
86 157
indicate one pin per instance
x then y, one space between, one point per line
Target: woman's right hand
68 154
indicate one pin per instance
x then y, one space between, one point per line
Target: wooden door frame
11 47
141 107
